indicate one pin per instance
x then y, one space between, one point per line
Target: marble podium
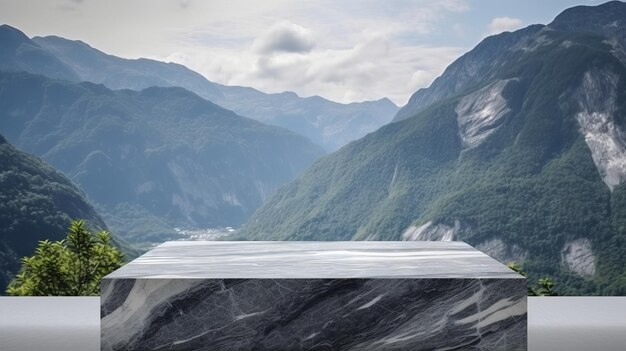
213 295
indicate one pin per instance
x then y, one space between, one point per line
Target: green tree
545 286
70 267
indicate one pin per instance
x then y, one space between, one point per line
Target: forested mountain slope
155 159
519 148
36 203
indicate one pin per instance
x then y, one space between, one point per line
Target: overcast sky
343 50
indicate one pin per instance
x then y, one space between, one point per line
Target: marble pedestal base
313 296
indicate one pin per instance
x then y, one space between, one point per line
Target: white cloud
322 49
284 36
374 66
503 24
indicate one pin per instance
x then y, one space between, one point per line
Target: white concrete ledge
73 323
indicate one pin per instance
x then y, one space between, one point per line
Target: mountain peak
7 28
590 18
63 47
60 40
386 100
611 9
20 53
480 63
380 102
11 37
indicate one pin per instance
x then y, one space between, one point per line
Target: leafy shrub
70 267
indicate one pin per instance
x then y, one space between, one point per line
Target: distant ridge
326 123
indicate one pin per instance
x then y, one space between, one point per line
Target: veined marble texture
351 309
313 259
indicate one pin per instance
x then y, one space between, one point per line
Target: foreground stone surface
313 296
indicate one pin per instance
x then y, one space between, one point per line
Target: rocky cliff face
597 100
432 232
480 113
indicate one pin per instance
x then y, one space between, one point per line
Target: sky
343 50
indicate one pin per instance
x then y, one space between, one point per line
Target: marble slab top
313 260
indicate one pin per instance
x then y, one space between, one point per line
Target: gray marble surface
314 314
313 260
236 296
73 323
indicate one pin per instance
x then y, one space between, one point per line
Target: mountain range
325 122
154 159
518 148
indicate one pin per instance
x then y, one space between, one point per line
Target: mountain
116 73
494 51
327 123
519 148
154 159
36 203
476 65
19 53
